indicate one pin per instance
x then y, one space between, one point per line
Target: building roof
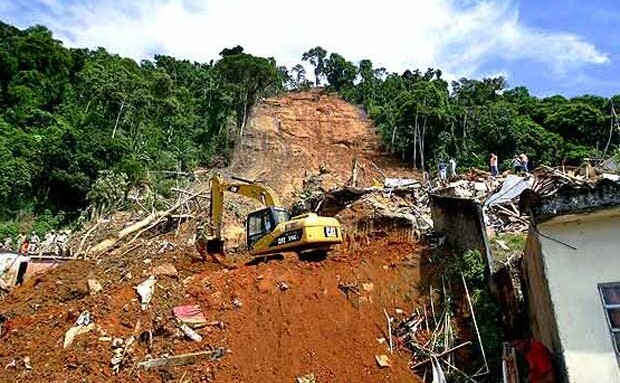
570 199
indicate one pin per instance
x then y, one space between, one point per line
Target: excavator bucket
213 248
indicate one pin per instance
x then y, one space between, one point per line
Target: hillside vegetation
68 115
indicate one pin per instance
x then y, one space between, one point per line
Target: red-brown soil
276 334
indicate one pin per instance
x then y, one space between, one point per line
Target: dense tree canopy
66 115
75 120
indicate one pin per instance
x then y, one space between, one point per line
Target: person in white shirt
452 167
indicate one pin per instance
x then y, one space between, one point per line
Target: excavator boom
256 192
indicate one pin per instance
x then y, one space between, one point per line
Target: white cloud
457 36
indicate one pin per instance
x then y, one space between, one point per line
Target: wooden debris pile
549 180
123 229
431 335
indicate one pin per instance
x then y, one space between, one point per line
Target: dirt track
275 334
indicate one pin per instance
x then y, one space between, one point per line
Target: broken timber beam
181 360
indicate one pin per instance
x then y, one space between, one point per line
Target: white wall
573 276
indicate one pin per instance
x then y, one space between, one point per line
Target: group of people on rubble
443 168
53 243
520 164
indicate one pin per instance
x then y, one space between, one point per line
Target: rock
75 331
94 286
383 361
368 286
283 286
166 269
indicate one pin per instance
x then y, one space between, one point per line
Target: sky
551 46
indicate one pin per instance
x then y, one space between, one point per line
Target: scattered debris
191 315
11 364
27 364
349 288
309 378
283 286
383 361
82 325
165 246
389 328
237 302
120 348
368 287
191 334
145 291
181 360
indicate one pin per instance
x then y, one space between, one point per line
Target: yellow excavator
270 230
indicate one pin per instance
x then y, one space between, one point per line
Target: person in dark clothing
516 164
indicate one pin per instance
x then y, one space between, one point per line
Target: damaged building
572 274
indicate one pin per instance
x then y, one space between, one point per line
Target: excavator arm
256 192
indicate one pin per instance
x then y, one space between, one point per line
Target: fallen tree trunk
152 218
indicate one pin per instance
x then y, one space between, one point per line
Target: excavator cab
264 221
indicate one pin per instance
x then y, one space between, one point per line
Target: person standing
60 241
493 165
516 164
24 247
21 238
34 242
524 162
49 238
452 167
443 174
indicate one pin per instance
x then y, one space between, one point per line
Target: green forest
74 119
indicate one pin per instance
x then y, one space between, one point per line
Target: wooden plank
181 360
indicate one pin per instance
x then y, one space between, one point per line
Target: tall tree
316 57
247 76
